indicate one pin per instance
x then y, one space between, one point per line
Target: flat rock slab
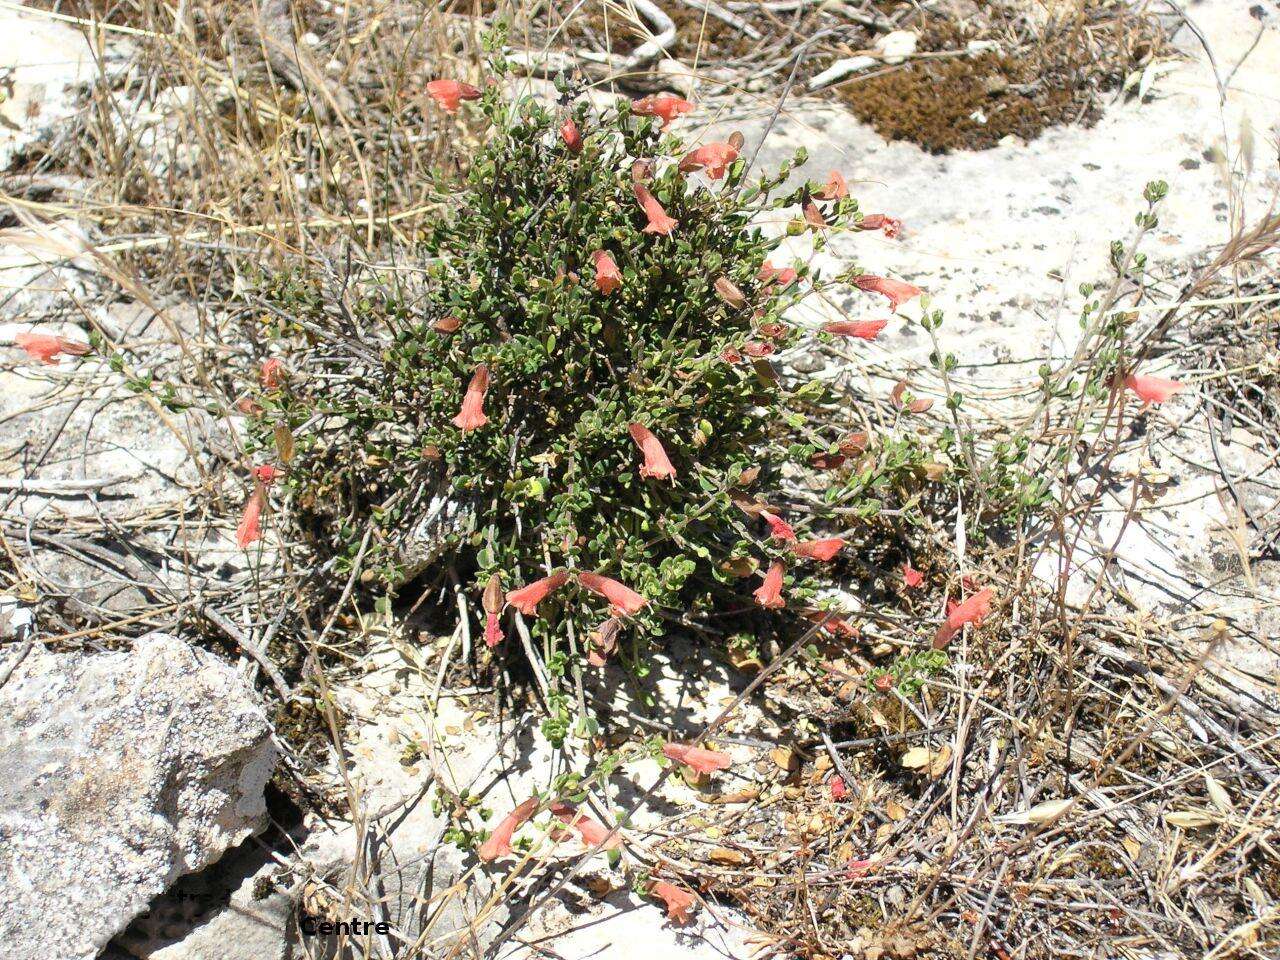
119 773
43 59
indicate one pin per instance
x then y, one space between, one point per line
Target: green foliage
908 673
552 481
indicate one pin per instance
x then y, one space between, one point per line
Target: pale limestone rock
119 773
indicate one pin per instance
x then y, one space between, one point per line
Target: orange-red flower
570 135
450 93
664 105
898 291
911 577
492 629
499 842
731 355
862 329
769 593
830 623
827 461
493 602
973 610
779 529
769 275
526 599
823 550
592 832
1152 389
836 188
758 349
272 373
712 158
267 473
656 464
624 601
838 788
472 416
250 528
858 868
659 222
608 278
46 347
697 759
679 901
891 226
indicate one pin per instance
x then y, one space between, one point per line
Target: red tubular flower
754 348
891 226
769 275
624 601
272 374
823 550
472 415
697 759
831 624
836 188
838 788
973 610
608 279
493 604
769 593
862 329
911 577
570 135
267 473
665 106
731 355
659 222
450 93
678 900
1152 389
526 599
779 529
656 465
898 291
591 831
250 528
492 630
712 158
499 842
46 347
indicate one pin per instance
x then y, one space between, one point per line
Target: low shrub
583 372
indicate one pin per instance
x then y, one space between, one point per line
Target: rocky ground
133 774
